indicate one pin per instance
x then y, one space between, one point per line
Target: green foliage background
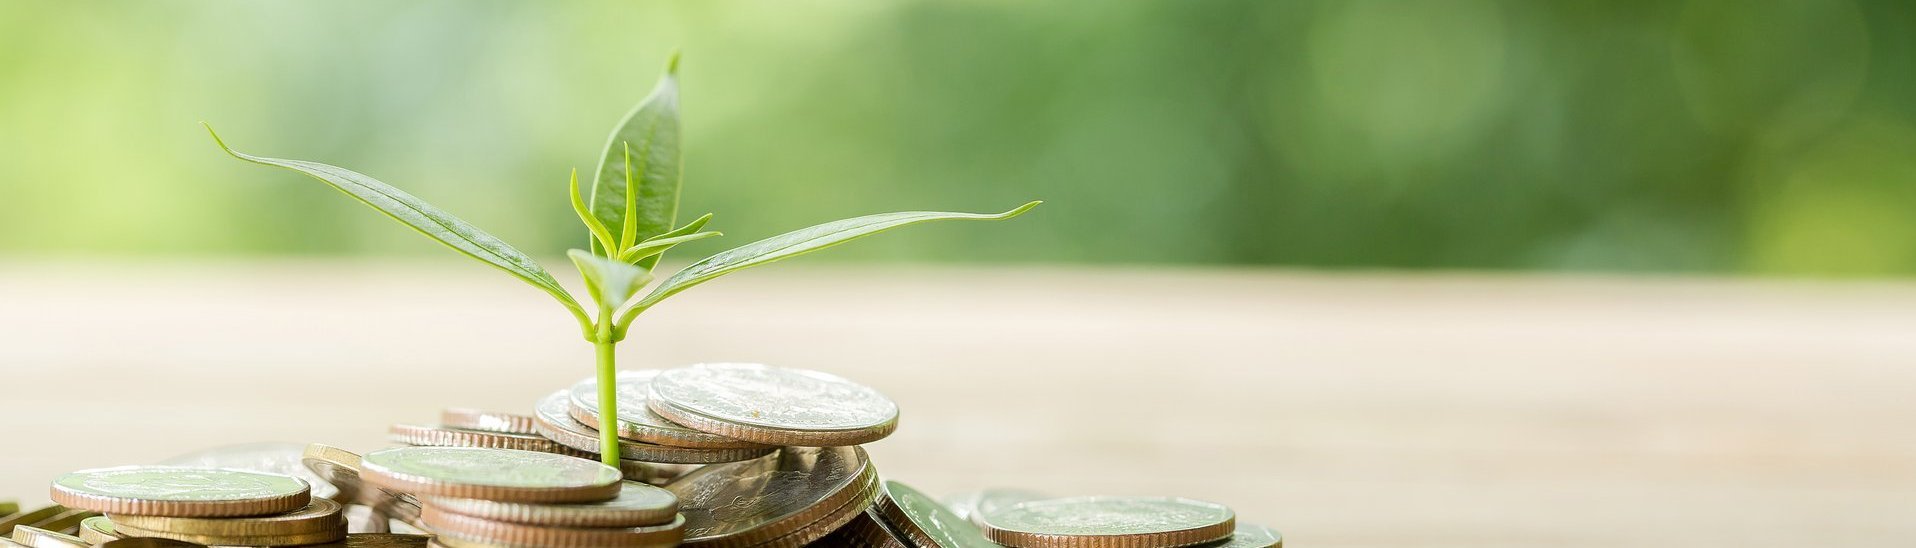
1700 135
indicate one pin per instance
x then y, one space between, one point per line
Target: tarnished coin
487 421
30 517
417 434
42 538
773 405
637 505
636 420
1252 536
760 500
468 528
863 531
97 530
970 504
341 468
273 457
556 423
1098 522
320 516
492 474
179 491
925 522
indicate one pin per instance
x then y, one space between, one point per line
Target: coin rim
441 436
108 504
636 431
790 523
320 515
380 476
467 418
653 394
563 515
475 529
568 431
766 435
1163 539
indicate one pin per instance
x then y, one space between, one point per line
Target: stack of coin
204 505
474 497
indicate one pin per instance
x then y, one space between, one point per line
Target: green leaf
585 215
800 242
652 130
649 262
423 217
612 283
651 249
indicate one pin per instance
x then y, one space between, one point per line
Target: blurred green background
1665 136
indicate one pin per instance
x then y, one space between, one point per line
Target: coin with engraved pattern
181 491
925 522
273 457
636 420
1095 522
773 405
970 504
493 474
637 505
863 531
556 423
775 496
486 421
341 468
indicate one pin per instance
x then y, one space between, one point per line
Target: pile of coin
718 455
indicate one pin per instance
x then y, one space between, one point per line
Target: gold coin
487 421
97 530
378 540
65 521
341 468
31 517
321 515
462 527
637 505
492 474
555 421
290 539
181 491
863 531
42 538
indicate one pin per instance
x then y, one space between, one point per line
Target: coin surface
487 421
970 504
180 491
97 530
341 468
637 505
321 515
1109 521
555 421
863 531
1252 536
468 528
863 494
42 538
759 500
419 434
491 474
772 405
636 420
925 522
273 457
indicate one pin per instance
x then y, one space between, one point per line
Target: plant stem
608 397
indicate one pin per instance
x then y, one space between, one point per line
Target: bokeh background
1693 136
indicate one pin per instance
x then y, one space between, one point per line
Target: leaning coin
415 434
321 515
30 517
925 522
97 530
636 421
176 491
755 501
556 423
863 531
271 457
341 468
42 538
488 421
1252 536
773 405
1097 522
970 504
637 505
492 474
860 502
461 527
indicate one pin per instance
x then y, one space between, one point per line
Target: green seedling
631 222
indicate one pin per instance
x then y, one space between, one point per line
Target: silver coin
1252 536
638 505
926 522
970 504
554 422
271 457
636 420
773 405
1098 521
767 498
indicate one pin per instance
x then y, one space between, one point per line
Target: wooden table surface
1343 409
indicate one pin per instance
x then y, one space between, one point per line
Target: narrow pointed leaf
800 242
652 130
592 224
652 261
654 247
612 283
423 217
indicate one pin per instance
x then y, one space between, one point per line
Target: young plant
631 222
